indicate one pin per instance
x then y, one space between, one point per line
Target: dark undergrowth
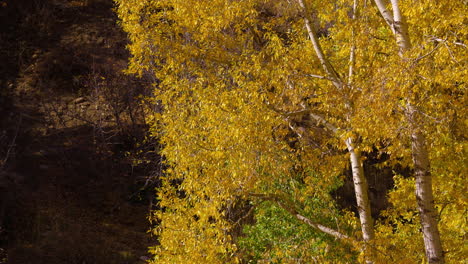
70 191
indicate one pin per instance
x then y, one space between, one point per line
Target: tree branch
318 77
425 55
12 144
332 74
400 29
387 15
290 209
319 119
352 52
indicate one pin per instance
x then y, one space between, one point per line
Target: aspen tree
260 97
396 21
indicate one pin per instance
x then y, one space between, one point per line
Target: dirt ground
69 121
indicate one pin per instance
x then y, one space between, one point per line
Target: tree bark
400 29
360 181
362 199
361 191
420 155
424 193
361 188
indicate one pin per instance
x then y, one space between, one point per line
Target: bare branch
450 52
319 119
290 208
460 44
425 55
316 117
248 214
12 144
332 74
318 76
352 52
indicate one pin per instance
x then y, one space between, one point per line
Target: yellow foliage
235 79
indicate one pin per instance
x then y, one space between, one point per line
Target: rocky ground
70 119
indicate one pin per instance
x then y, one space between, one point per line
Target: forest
237 131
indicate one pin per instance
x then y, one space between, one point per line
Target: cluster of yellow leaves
233 77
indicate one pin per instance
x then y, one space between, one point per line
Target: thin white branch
332 74
460 44
320 120
290 208
352 52
450 52
444 41
317 76
425 55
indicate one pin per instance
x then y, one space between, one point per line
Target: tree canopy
265 103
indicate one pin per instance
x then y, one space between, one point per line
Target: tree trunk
362 199
424 194
422 171
360 181
360 189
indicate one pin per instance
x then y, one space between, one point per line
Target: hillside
69 193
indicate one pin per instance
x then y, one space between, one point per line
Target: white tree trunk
424 194
360 181
422 171
360 189
362 199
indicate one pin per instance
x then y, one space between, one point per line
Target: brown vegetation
69 193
